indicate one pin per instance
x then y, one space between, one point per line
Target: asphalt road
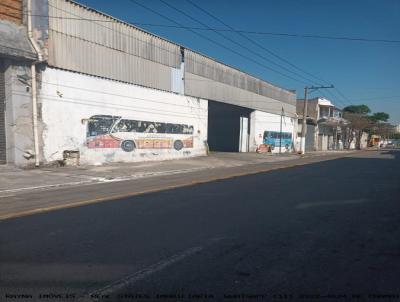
327 231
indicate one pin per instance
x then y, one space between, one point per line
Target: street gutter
66 197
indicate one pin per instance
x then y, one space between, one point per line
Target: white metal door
244 134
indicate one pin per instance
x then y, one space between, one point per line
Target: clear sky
364 72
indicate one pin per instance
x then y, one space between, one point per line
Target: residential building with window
324 124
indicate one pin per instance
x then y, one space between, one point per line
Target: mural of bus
272 138
107 131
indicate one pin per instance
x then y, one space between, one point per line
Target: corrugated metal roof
121 51
112 50
210 89
210 69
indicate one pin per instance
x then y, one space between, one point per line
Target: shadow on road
325 228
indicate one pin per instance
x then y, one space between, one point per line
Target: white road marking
96 180
9 195
46 186
91 180
142 274
330 203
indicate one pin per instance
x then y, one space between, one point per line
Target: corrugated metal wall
212 80
87 41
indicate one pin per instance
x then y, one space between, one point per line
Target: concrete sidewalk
13 180
28 192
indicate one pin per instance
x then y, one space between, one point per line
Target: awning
14 42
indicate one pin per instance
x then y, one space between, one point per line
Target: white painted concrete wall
263 121
69 98
18 114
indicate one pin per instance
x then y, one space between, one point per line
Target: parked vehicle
273 139
374 141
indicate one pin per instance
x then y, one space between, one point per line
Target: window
126 125
100 125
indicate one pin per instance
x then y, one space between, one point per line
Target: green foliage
359 109
395 136
379 117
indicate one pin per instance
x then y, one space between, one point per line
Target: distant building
324 124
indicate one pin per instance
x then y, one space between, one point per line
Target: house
325 124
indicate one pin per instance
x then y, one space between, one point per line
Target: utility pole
303 125
305 110
280 133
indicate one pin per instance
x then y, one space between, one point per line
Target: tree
358 109
383 129
358 123
379 117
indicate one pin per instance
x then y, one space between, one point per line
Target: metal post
304 125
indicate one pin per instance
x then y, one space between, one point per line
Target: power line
141 99
250 40
93 20
215 42
312 36
130 36
163 16
247 38
118 95
261 46
142 41
231 40
378 98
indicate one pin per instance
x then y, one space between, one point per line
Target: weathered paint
210 89
233 86
90 42
11 10
14 42
18 114
87 41
263 121
70 99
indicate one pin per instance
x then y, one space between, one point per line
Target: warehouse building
107 91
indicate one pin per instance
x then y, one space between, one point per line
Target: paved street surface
23 192
14 180
318 232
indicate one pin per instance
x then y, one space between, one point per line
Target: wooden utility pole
303 125
305 110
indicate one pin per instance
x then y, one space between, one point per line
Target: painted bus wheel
128 146
178 145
